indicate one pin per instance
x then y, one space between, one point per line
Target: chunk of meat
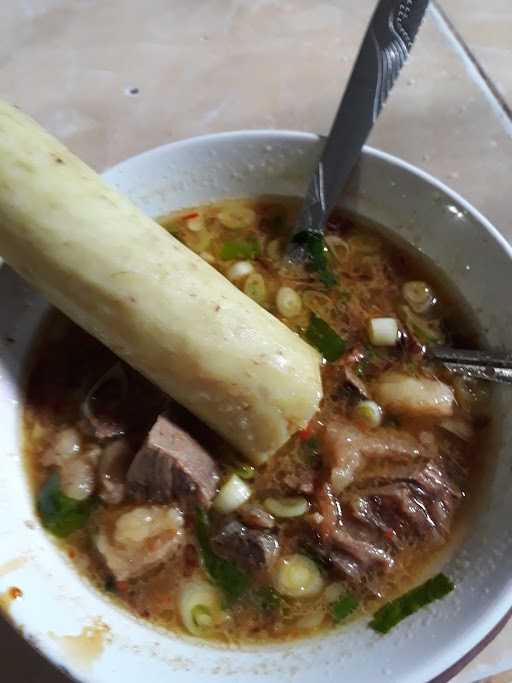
399 393
139 539
172 465
338 561
346 445
255 516
399 503
334 533
251 549
441 495
112 468
419 502
385 519
363 530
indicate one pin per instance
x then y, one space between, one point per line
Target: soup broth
170 521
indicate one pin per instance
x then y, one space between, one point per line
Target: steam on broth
168 518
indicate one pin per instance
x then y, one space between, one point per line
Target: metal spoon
384 50
491 366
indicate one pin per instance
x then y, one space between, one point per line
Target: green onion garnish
395 611
342 607
245 471
320 335
313 243
244 249
60 514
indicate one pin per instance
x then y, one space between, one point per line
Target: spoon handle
493 366
384 50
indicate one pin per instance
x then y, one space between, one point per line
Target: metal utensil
496 367
384 50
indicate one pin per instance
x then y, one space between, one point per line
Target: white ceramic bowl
59 610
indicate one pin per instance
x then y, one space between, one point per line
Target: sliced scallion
60 514
245 471
395 611
342 607
314 245
293 506
239 249
320 335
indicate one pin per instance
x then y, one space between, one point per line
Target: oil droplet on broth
84 648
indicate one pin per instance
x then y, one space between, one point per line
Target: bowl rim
367 150
472 640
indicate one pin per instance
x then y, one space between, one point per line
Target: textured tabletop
114 77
